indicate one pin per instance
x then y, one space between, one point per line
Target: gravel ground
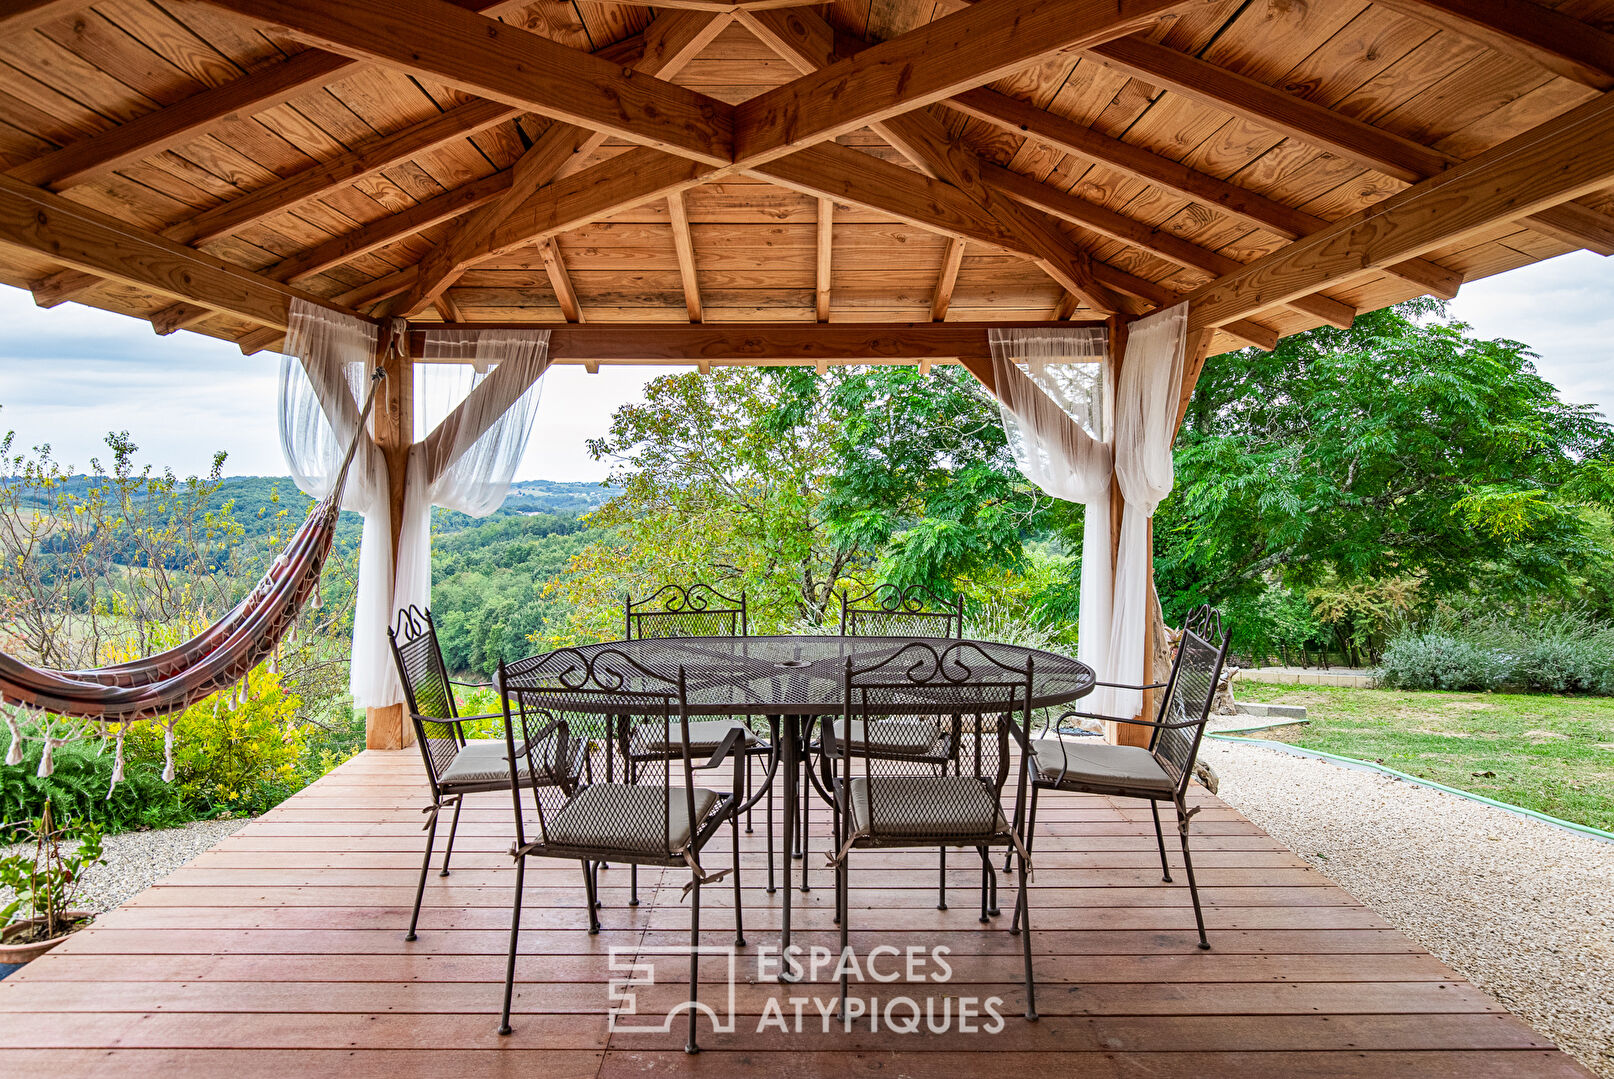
1522 909
137 860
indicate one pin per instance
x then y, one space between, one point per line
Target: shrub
78 788
1566 654
1437 658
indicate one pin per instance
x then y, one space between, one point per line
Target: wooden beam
968 48
1576 225
258 340
341 170
394 426
482 56
61 286
1560 43
386 230
178 316
560 281
1159 242
764 344
947 280
1394 155
684 245
721 7
824 263
95 243
670 42
1552 163
1243 205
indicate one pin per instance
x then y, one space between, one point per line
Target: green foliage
1399 450
1560 652
1439 658
78 787
46 882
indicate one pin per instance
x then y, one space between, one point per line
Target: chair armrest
725 748
471 685
1128 685
1134 722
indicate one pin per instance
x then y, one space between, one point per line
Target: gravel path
1522 909
137 860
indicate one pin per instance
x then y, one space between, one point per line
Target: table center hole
792 663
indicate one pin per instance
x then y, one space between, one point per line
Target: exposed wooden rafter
560 281
947 280
668 44
684 246
91 242
823 263
1552 163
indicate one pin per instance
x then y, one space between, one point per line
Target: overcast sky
70 375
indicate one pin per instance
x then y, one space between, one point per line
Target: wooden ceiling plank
96 243
1237 202
952 54
1560 43
1555 162
799 36
21 16
947 280
684 244
482 56
823 264
339 171
670 42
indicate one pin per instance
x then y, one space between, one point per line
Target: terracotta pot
24 953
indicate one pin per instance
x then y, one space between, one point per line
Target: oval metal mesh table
791 676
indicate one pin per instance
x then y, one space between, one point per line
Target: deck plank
287 938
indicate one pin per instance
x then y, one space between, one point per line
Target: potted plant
45 883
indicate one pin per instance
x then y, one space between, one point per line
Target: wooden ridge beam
780 343
957 52
490 59
1560 43
91 242
947 280
671 41
1555 162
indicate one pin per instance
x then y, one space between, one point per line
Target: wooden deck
281 953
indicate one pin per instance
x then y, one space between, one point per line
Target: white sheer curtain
324 377
1145 424
1052 389
467 461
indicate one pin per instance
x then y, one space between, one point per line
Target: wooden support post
1124 734
388 728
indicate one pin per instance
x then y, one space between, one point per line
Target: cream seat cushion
1090 762
628 817
926 806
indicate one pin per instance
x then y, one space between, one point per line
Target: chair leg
591 898
843 885
806 816
453 830
1023 917
748 787
1030 838
694 963
425 864
941 881
1160 838
771 888
515 937
739 903
633 890
989 886
1188 867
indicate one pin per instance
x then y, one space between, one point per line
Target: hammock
215 659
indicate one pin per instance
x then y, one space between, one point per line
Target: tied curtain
1053 390
1072 425
481 417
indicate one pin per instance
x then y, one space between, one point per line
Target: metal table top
798 675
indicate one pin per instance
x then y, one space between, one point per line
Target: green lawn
1551 754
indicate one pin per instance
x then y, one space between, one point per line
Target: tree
1402 448
789 484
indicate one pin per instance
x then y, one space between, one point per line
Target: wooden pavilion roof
1282 165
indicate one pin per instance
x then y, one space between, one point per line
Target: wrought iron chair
699 611
455 765
620 807
889 611
1161 772
945 795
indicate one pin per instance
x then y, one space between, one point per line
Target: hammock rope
219 657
